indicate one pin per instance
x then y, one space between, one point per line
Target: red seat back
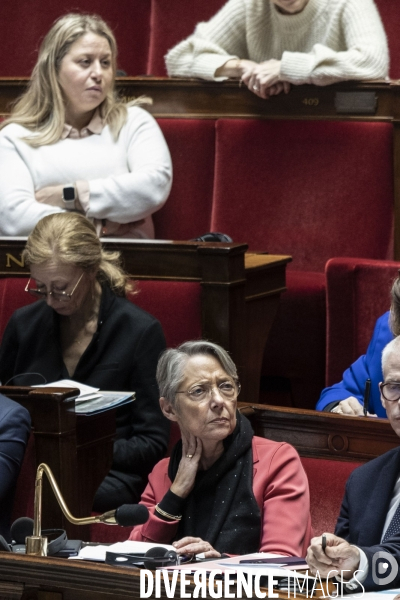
390 14
172 22
358 292
187 212
311 189
176 304
12 296
30 21
327 480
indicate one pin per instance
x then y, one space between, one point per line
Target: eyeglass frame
212 387
43 295
383 384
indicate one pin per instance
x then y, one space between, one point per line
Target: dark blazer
122 356
369 490
15 426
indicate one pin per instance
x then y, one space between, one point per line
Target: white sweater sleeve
19 211
212 44
366 57
135 195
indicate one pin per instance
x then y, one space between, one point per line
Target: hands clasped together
338 558
183 485
263 79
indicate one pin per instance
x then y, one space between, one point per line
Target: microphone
21 529
129 515
126 515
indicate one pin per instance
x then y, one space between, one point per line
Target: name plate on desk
360 103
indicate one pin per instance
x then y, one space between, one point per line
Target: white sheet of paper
129 547
69 383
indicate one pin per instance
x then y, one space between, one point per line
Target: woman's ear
167 409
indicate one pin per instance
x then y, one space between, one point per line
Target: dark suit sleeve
142 446
383 553
15 427
347 516
342 528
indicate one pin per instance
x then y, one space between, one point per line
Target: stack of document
90 399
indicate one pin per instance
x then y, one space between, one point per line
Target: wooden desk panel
78 449
323 435
30 578
195 98
240 292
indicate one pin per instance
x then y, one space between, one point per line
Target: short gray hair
390 348
172 363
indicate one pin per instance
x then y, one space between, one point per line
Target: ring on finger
189 455
255 88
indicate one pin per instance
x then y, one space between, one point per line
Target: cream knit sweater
128 179
330 40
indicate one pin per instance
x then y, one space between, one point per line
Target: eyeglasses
59 296
390 391
203 391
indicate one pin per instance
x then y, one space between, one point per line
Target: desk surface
195 98
27 577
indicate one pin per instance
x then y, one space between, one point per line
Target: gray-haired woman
223 490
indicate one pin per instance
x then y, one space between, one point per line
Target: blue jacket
367 366
15 426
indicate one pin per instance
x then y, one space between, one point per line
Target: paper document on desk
98 553
383 595
85 390
91 400
233 564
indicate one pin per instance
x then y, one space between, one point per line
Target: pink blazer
280 488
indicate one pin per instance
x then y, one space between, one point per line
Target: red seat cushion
327 480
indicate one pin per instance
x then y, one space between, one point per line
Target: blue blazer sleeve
15 425
367 366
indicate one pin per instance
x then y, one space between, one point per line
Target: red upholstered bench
30 21
358 292
315 190
327 480
187 213
172 22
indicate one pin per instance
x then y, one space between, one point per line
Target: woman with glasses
223 490
85 329
71 144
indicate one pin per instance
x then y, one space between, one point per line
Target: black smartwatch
69 197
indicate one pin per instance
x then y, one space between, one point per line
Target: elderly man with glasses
366 544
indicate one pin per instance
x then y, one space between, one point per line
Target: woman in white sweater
70 144
270 44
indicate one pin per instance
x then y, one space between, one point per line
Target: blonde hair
71 239
41 108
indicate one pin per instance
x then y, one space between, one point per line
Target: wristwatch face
69 193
